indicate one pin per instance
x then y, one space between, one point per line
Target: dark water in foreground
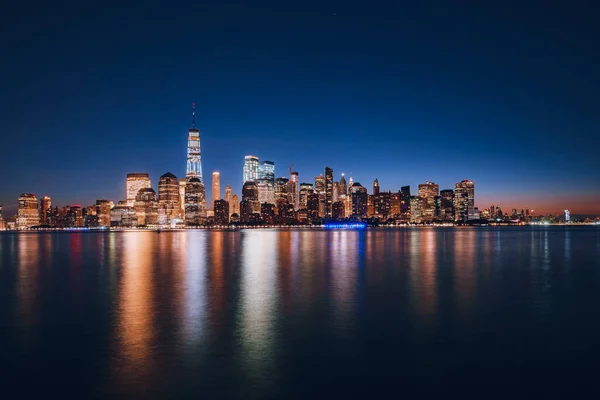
301 314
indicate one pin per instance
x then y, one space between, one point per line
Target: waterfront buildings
46 211
360 200
135 182
169 202
146 207
28 213
221 209
216 187
464 200
328 191
447 205
102 212
195 202
428 191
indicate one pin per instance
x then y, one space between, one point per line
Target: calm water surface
301 314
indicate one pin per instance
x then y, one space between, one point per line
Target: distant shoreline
283 227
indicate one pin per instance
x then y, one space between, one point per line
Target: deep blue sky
505 96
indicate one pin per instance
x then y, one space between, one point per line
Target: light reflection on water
247 313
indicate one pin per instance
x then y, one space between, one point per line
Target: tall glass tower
194 162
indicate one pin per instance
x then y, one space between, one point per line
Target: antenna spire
193 115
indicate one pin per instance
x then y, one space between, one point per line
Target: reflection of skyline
259 297
135 332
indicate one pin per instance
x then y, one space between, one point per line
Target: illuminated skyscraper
46 211
195 195
169 202
266 182
250 194
375 187
416 209
250 172
194 161
182 183
234 206
135 182
28 214
229 198
281 189
221 208
328 191
146 207
427 192
320 188
305 190
447 205
343 185
103 208
336 192
216 188
464 200
567 217
360 199
292 190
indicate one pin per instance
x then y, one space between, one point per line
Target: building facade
135 182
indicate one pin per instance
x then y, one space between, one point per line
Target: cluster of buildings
265 199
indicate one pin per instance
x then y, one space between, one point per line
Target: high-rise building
567 217
266 170
169 201
2 220
250 172
146 207
135 182
305 190
46 211
376 187
292 190
194 160
336 192
182 184
267 213
447 205
343 185
234 206
216 187
195 197
312 206
416 209
28 214
338 210
103 208
281 188
427 192
320 184
328 191
250 194
382 205
221 208
360 199
395 204
464 200
229 198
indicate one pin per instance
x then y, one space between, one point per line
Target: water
301 314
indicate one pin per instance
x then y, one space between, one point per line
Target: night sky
505 96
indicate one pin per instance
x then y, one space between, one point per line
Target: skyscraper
360 199
328 191
250 172
135 182
28 214
229 198
146 207
305 190
375 187
221 208
266 182
447 205
281 189
182 184
427 192
292 190
464 200
46 211
234 206
194 195
250 194
216 188
194 161
103 208
168 198
567 217
343 185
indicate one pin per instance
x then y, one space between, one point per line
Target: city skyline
403 95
